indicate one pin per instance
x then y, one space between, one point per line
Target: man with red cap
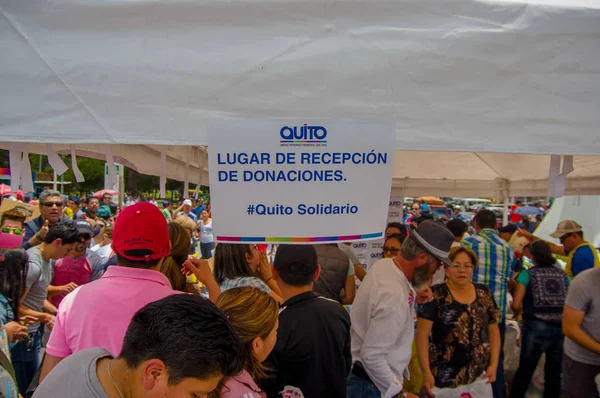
98 313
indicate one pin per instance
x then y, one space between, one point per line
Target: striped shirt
496 266
245 281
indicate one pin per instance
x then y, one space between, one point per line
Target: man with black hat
382 315
312 352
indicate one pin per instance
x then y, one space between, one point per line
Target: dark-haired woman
176 265
239 265
392 245
13 271
542 291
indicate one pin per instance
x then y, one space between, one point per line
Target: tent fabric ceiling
142 158
470 84
487 174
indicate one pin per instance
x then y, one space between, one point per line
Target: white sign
117 168
303 182
119 185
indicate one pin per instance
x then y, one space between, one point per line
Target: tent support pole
505 212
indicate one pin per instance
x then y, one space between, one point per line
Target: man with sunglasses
415 212
81 266
581 254
51 209
12 224
382 328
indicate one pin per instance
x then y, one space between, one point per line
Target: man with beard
382 315
91 211
51 209
80 267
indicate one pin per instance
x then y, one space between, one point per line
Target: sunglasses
86 236
50 204
416 208
565 237
12 230
390 249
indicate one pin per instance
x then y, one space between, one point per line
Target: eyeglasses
416 208
565 237
50 204
86 236
12 230
461 266
392 250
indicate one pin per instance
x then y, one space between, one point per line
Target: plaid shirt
245 281
496 266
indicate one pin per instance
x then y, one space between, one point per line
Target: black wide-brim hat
435 238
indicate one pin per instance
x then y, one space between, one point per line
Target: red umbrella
5 189
103 192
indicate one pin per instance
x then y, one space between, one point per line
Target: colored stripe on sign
272 239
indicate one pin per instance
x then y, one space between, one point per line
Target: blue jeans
539 337
358 387
499 386
26 359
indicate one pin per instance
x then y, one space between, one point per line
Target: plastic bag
478 389
536 387
512 351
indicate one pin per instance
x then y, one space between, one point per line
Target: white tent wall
582 209
458 75
470 84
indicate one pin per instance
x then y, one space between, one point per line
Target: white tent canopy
470 84
182 163
496 175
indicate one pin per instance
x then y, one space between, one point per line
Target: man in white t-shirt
382 315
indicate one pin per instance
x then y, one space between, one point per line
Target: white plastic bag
478 389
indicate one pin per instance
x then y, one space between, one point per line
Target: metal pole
505 212
54 181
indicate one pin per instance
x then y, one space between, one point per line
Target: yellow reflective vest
569 267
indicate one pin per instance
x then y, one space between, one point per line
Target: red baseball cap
138 227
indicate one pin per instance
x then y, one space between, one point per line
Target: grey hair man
51 212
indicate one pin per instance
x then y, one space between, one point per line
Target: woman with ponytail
542 291
177 265
173 264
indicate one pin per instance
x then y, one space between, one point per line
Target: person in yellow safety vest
581 255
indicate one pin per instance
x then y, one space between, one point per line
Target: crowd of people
124 306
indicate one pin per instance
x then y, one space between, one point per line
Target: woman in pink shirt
254 315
